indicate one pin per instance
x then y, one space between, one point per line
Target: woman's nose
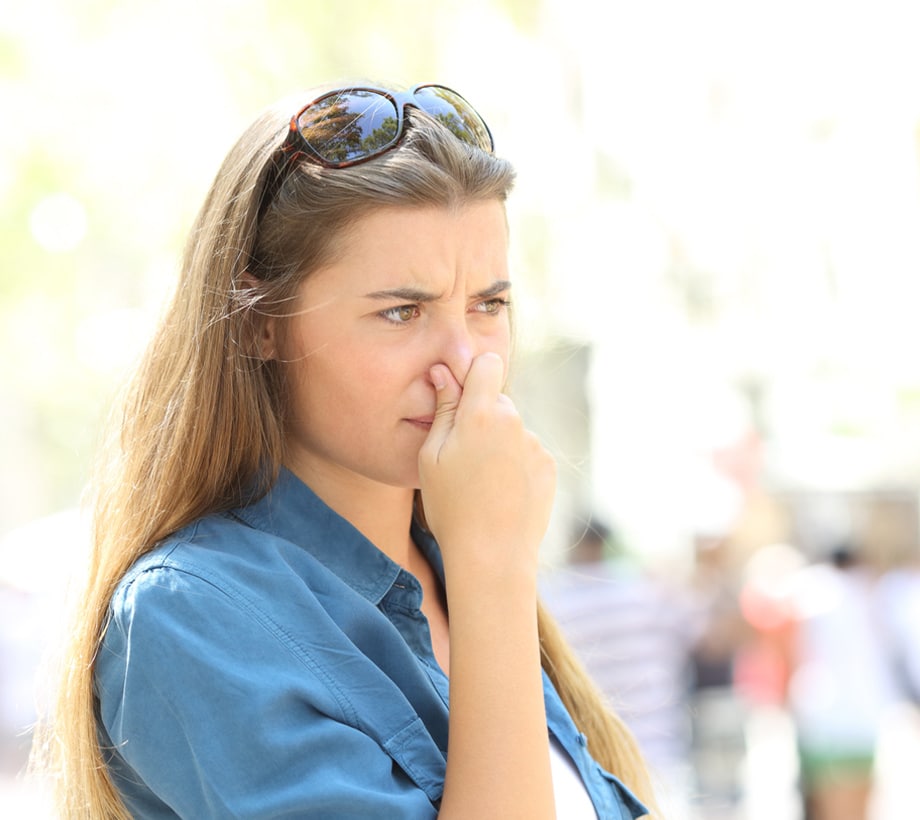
457 348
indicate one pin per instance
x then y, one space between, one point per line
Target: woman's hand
487 483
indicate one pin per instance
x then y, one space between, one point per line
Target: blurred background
716 251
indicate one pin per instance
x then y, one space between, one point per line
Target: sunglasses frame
295 145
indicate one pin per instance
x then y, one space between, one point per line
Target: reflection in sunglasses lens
348 126
456 114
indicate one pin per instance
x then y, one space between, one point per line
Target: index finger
484 381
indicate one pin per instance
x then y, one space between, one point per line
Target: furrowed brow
418 295
404 294
498 286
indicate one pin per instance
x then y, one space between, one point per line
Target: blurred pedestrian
841 686
719 711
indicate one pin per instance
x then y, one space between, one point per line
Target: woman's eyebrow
405 294
410 294
498 286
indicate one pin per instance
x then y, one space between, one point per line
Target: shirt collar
292 511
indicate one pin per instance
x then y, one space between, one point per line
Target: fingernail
436 374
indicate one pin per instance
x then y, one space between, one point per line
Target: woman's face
410 288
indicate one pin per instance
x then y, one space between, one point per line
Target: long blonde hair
200 428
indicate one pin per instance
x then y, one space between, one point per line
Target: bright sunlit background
716 234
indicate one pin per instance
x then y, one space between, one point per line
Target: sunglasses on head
352 125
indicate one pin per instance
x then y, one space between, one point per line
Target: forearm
498 752
488 486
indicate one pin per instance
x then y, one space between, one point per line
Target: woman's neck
380 512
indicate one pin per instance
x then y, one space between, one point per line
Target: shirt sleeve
212 714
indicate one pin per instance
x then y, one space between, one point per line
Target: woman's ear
264 326
266 338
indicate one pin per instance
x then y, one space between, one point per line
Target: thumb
447 394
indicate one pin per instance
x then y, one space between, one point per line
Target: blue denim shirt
272 662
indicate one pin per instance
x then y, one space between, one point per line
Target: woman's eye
401 314
493 305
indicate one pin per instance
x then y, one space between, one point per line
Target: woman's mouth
422 422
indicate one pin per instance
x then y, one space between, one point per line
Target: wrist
485 581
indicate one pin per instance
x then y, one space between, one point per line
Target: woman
323 515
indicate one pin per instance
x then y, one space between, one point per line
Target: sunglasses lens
349 126
456 113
